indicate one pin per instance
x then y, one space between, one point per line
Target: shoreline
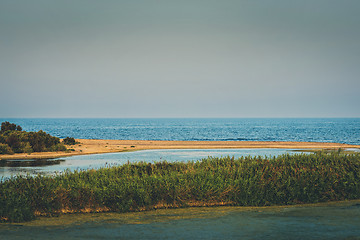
97 146
133 217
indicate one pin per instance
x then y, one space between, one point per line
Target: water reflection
30 163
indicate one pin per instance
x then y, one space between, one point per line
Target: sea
339 130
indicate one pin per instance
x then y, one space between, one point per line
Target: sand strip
92 146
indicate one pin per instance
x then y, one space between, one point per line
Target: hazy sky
270 58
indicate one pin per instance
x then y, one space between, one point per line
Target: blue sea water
340 130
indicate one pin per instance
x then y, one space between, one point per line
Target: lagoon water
340 130
96 161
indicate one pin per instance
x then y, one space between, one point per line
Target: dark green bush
26 147
58 147
5 149
20 141
13 139
69 141
41 141
6 126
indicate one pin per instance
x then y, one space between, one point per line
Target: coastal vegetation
14 140
69 141
246 181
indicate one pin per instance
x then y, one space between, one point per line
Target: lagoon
96 161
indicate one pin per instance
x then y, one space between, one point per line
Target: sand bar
92 146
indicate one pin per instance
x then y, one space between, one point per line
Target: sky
188 58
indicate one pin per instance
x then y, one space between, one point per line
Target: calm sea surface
341 130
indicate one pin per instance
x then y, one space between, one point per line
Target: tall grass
247 181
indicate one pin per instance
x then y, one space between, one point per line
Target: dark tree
69 141
6 126
41 141
14 140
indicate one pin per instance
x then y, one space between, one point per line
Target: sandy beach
92 146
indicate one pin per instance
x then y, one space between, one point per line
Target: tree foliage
6 126
14 140
69 141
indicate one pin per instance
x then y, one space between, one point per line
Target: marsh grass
246 181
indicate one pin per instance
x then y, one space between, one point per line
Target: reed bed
246 181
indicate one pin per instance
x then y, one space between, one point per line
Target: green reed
246 181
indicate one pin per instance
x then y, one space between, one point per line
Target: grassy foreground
247 181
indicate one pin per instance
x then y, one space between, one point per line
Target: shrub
19 141
41 141
69 141
14 142
27 148
5 149
58 147
6 126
